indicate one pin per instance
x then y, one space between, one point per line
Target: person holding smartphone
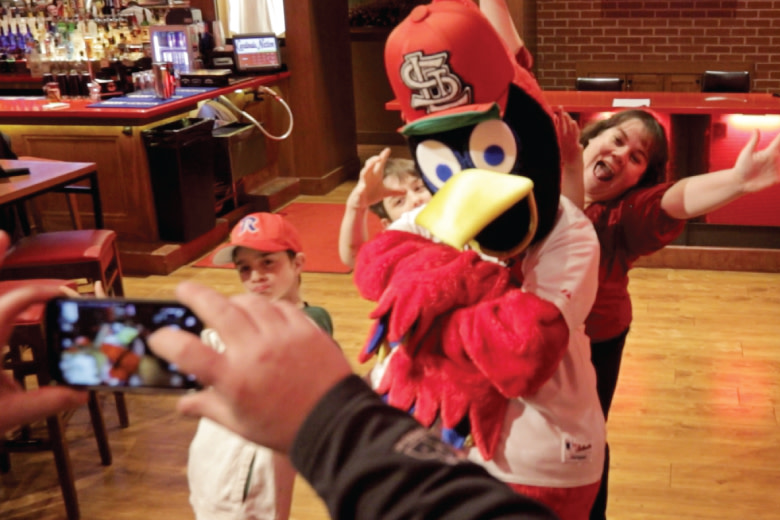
306 402
296 376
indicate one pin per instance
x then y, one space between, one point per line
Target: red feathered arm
378 260
471 340
432 385
415 280
474 360
516 341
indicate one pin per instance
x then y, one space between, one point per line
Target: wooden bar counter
111 138
676 103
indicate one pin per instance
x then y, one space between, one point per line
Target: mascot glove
429 282
394 255
432 386
378 260
516 341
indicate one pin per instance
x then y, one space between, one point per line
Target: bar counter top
667 102
29 110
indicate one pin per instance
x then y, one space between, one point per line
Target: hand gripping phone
100 343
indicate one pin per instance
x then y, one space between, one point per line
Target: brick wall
706 30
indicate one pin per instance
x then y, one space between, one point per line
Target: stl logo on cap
434 87
446 56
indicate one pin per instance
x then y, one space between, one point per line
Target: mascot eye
493 146
437 163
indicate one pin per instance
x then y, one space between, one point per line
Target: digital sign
256 52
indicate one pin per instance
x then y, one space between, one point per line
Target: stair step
273 194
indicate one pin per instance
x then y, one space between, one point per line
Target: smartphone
100 343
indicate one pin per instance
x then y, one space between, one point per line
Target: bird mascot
482 294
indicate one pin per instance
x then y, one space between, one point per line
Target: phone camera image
100 343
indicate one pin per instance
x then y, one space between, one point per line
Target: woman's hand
571 157
758 170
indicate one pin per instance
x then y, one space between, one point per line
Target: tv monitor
256 53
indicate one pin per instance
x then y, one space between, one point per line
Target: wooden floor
693 429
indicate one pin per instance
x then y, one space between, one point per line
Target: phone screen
101 343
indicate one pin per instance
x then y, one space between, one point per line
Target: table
50 176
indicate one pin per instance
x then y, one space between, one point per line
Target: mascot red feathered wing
482 294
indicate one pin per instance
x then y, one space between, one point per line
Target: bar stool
28 332
90 254
599 84
725 81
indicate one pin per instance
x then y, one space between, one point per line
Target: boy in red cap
230 477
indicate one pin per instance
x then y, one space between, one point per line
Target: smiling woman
635 214
632 144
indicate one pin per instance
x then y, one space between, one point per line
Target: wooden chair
725 81
83 254
89 254
599 84
28 334
70 192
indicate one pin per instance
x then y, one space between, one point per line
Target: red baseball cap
266 232
447 64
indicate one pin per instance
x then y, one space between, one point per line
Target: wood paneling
375 124
123 173
321 149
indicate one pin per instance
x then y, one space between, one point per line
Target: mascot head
479 130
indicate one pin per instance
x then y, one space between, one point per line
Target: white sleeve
563 268
406 223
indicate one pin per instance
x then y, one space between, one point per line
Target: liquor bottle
74 83
92 27
108 7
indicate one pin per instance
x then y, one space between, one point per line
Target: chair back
5 147
725 81
603 84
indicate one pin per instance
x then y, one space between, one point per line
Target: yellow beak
471 200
